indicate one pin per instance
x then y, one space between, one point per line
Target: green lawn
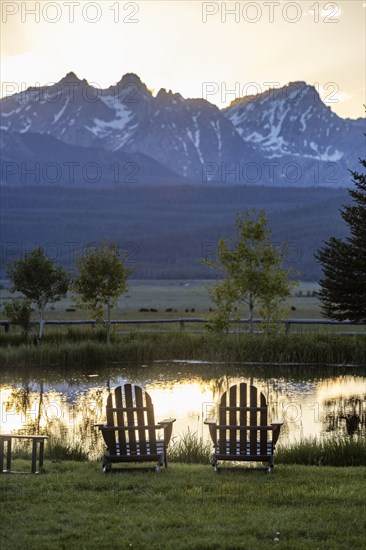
185 507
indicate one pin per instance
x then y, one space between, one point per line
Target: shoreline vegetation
332 450
87 349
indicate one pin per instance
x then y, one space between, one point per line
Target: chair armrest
213 430
106 428
167 424
276 426
167 421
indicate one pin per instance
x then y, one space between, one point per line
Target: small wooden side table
37 440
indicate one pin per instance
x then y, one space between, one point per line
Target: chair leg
214 464
107 467
162 462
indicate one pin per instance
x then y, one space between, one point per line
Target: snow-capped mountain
294 121
183 135
282 137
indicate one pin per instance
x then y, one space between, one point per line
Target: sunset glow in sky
228 49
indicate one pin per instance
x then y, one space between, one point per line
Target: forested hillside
167 230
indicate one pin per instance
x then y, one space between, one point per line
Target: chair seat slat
246 450
245 408
240 428
138 450
128 428
126 409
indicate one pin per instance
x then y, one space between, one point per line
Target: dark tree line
343 287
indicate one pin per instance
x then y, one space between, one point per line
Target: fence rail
182 321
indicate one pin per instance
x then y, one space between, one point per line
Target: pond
312 401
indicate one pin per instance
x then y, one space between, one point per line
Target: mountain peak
130 80
71 78
293 91
299 87
168 94
130 77
299 84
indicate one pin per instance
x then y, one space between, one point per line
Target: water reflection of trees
346 416
70 419
49 413
20 401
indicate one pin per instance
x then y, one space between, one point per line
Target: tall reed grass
189 449
333 451
65 351
56 450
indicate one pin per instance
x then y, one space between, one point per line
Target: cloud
344 96
23 64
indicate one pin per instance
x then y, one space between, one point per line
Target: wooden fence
183 321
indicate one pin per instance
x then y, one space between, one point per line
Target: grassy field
179 299
185 507
175 295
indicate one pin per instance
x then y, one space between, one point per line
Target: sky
216 50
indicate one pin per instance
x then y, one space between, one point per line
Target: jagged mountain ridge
180 134
293 121
273 138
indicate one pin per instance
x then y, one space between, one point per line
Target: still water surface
312 401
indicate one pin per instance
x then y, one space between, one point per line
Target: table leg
34 456
41 454
8 456
1 455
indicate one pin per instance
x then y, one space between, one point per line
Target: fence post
288 326
181 325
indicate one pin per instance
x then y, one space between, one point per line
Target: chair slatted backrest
243 407
130 407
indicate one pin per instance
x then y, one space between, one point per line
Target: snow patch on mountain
58 115
216 126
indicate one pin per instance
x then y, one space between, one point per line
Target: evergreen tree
343 288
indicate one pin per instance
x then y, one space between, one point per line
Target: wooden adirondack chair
242 432
131 432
